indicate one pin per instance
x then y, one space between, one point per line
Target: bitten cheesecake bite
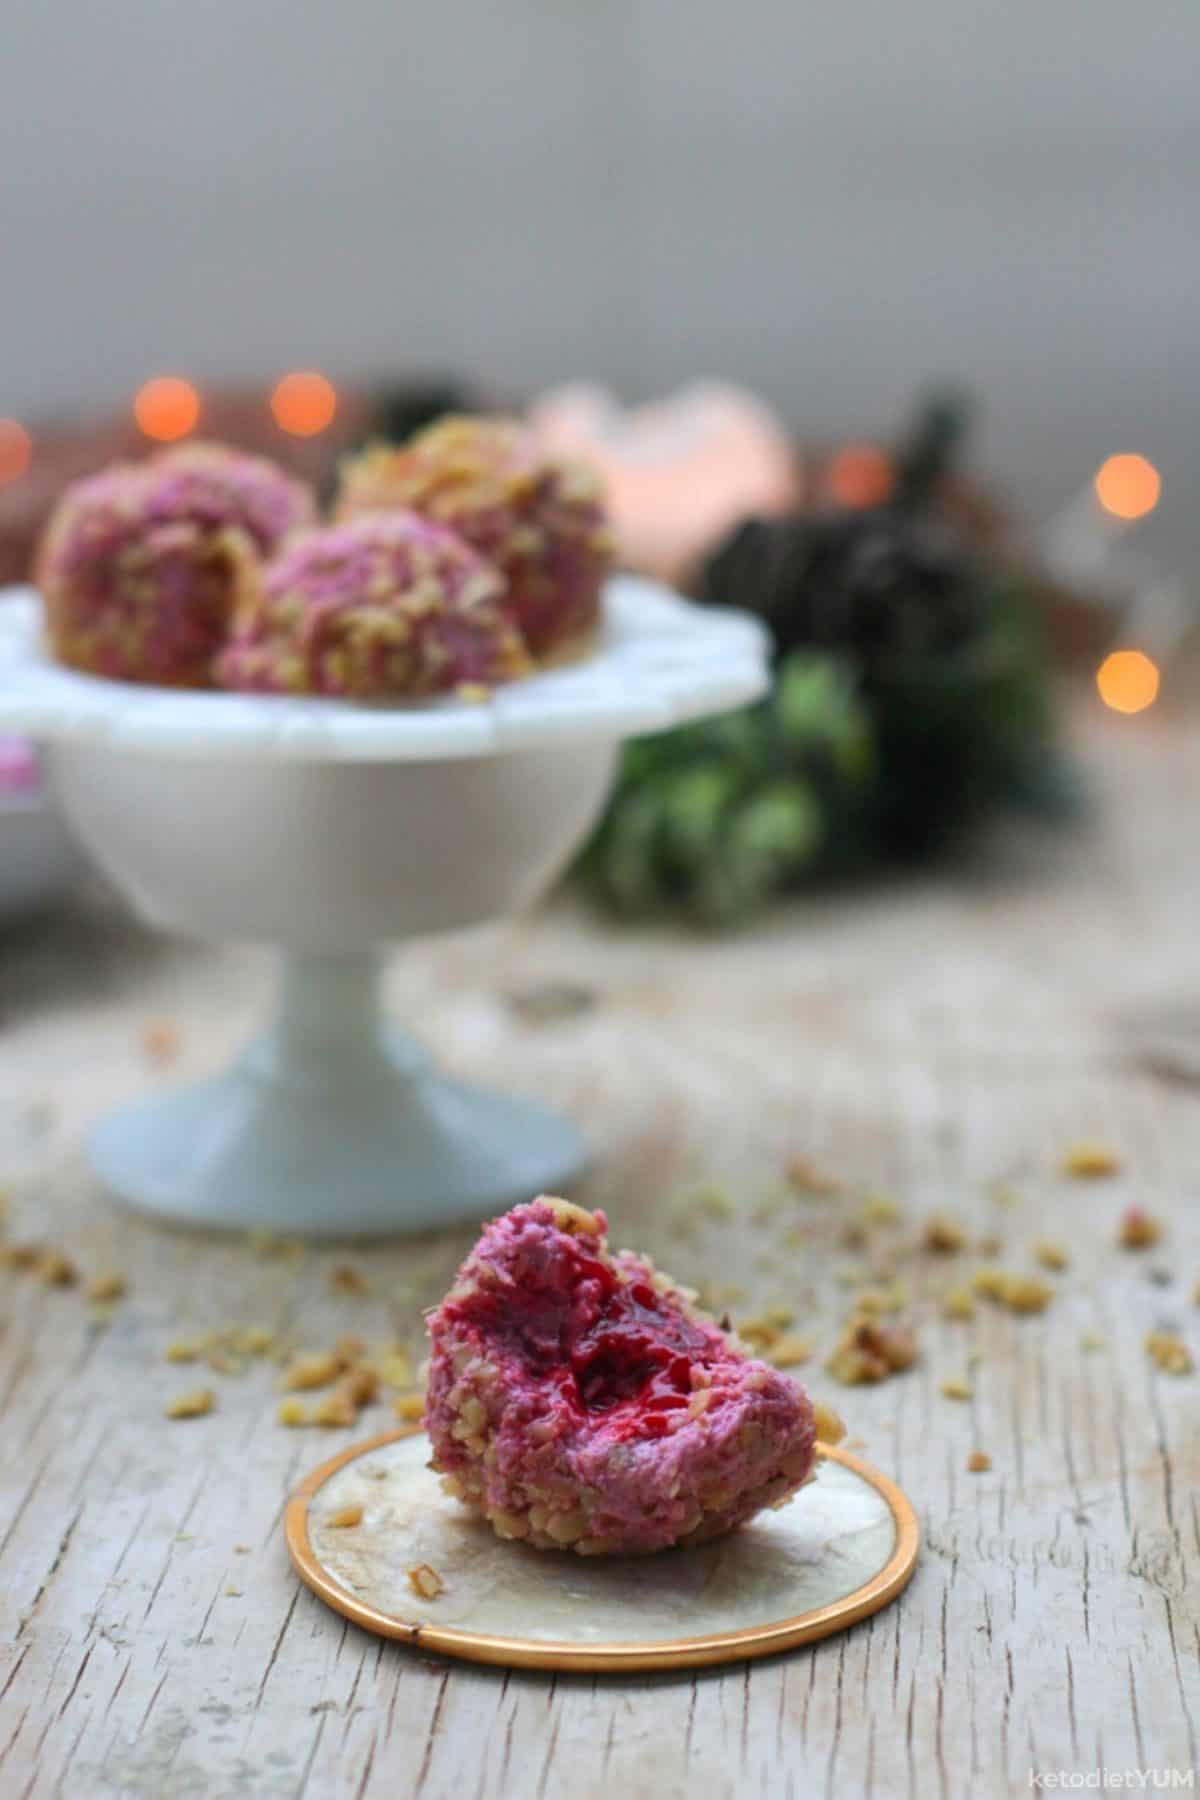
139 564
538 519
579 1400
384 607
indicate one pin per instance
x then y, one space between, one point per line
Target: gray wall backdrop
829 201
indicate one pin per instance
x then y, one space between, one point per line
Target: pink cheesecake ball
578 1400
138 565
539 519
389 606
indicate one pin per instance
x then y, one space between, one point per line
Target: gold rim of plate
665 1653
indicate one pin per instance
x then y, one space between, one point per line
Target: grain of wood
921 1041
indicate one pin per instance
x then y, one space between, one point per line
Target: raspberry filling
607 1344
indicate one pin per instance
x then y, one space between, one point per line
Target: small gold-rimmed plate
838 1551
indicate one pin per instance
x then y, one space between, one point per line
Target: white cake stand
330 829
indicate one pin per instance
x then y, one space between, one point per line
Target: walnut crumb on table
1168 1350
1139 1230
955 1388
1090 1162
191 1405
869 1352
978 1463
1019 1293
56 1270
1052 1256
109 1286
943 1235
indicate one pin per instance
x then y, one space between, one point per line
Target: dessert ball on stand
139 564
539 520
382 607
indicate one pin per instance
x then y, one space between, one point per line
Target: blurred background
830 204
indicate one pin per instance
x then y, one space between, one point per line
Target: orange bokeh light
1128 681
167 408
16 450
859 475
304 403
1128 486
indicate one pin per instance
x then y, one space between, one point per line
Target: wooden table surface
922 1040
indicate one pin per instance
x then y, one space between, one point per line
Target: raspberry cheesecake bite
139 565
380 608
578 1399
538 519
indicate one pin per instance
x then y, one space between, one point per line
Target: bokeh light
304 403
1128 681
16 450
1128 486
167 408
859 475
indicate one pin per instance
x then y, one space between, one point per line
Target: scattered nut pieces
978 1463
409 1406
1052 1255
958 1303
878 1209
874 1301
1019 1293
315 1371
292 1412
1168 1350
1092 1340
395 1369
191 1405
346 1279
109 1286
806 1178
425 1581
1138 1229
183 1350
1090 1162
344 1516
830 1427
957 1389
334 1410
943 1235
21 1256
789 1350
56 1270
870 1352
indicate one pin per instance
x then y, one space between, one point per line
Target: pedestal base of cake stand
332 1125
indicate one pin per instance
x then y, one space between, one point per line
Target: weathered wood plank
925 1040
